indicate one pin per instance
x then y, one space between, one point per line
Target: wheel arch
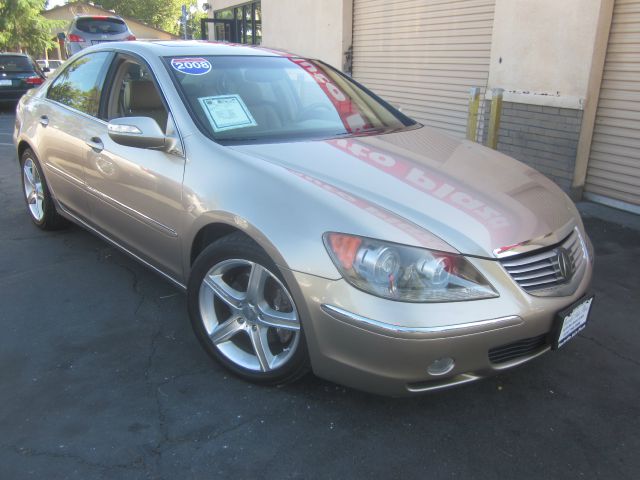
212 227
208 234
22 146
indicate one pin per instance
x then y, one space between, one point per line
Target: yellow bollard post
494 119
472 120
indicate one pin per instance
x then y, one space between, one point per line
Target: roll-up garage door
613 174
424 55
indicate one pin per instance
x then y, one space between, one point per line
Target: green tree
22 27
193 25
162 14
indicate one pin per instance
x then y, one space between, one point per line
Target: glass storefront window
258 23
224 14
247 22
248 18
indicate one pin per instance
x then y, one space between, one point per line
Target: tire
37 195
236 296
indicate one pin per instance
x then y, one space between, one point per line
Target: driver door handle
44 120
95 143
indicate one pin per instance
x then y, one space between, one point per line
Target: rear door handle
95 143
44 120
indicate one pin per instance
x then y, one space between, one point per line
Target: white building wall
311 28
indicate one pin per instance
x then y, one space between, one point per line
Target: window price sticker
227 112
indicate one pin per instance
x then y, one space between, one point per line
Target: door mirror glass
139 132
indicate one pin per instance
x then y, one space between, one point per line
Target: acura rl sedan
313 226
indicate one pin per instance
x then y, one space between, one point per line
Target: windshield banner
354 121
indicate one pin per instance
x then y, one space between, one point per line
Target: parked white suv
87 30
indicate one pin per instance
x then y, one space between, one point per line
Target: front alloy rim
33 189
249 315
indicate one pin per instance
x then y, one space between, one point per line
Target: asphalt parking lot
101 377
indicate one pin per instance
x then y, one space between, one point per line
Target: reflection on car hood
475 199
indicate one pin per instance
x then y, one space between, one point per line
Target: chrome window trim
73 110
440 331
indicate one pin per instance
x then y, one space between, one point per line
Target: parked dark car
18 73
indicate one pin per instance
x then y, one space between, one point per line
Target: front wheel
37 195
243 313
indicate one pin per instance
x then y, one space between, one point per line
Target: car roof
84 15
14 54
167 48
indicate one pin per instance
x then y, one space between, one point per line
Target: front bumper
386 347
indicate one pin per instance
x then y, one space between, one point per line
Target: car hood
477 200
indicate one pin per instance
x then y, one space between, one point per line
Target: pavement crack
184 375
156 450
105 255
135 285
610 350
137 464
205 435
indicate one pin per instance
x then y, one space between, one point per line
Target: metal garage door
424 56
613 174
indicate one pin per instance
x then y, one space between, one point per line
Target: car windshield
10 63
101 25
238 99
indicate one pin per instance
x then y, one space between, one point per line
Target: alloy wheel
33 189
249 315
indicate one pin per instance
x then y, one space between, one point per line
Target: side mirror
139 132
46 69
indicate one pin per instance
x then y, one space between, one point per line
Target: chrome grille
543 270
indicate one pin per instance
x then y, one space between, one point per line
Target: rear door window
10 63
101 25
80 84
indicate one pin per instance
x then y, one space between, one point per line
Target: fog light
441 366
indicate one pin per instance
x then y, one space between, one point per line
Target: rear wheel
42 210
243 313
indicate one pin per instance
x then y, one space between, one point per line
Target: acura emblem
563 264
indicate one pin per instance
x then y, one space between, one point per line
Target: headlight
404 273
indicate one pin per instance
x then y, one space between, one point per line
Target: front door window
134 94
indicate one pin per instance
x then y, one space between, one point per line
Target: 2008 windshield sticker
191 66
